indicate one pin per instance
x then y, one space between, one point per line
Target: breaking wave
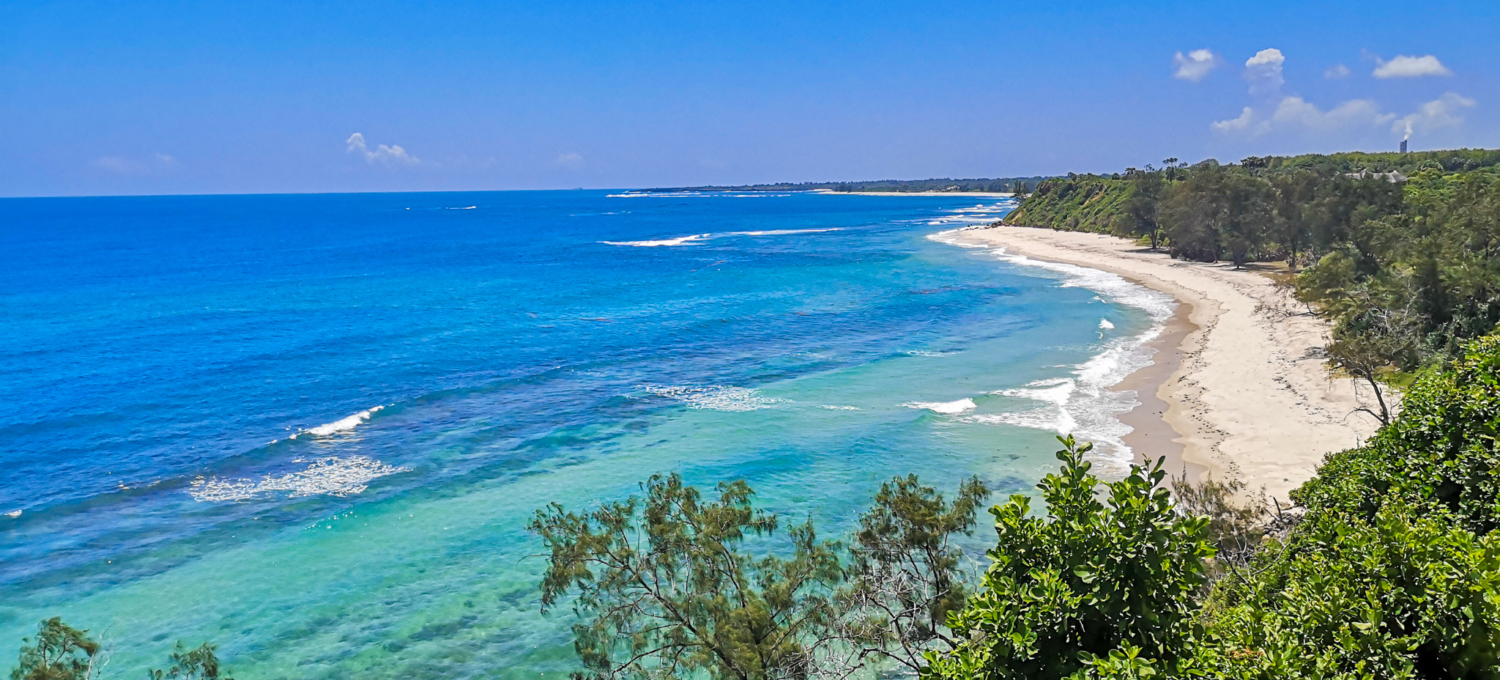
679 241
327 476
946 408
715 397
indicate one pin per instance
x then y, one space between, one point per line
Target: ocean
312 428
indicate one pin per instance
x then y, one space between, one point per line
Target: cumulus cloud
392 155
571 161
1442 112
1353 113
1195 65
1247 117
1263 72
1410 67
1336 71
123 165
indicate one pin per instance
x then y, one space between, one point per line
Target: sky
109 98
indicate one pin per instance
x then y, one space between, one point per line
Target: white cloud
1194 65
1350 114
571 161
386 155
1236 124
1438 113
1336 71
1410 67
121 165
1263 71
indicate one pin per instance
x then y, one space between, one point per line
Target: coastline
1237 386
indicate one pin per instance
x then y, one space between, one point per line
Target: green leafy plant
1095 577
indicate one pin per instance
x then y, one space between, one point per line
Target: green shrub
1438 454
1093 579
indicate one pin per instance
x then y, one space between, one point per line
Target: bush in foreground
1096 584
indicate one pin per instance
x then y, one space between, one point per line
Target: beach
1238 386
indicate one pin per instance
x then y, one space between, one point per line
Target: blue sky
237 97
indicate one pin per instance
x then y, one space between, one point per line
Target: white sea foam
831 407
679 241
467 207
1085 404
781 232
338 426
327 476
926 353
946 408
715 397
13 514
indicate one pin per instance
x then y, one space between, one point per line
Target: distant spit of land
997 185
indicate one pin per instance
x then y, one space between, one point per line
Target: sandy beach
1238 386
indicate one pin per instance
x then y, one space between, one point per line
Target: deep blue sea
312 428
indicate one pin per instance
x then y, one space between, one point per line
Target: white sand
1252 396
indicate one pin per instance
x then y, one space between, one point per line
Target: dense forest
994 185
1400 251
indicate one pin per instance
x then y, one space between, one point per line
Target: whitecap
327 476
831 407
13 514
338 426
1105 325
926 353
679 241
944 407
781 232
715 397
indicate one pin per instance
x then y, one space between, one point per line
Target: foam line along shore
1237 375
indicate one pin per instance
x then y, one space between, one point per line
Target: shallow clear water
312 428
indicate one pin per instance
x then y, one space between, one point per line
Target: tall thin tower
1403 146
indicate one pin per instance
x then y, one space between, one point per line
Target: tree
664 589
59 652
196 664
1148 187
904 577
1094 580
1294 192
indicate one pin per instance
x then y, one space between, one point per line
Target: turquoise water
312 428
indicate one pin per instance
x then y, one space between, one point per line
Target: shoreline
1237 387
